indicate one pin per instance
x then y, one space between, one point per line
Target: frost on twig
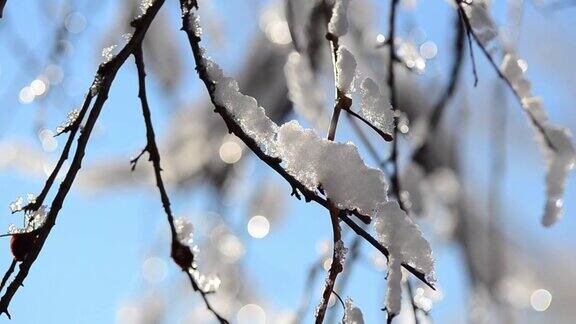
556 141
71 118
32 221
184 231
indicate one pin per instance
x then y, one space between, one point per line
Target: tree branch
274 163
181 254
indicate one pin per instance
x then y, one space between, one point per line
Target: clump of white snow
245 110
337 167
560 162
481 21
338 25
375 107
345 69
352 314
404 241
403 238
184 229
394 291
33 221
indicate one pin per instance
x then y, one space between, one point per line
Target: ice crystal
32 221
71 118
17 205
184 230
206 283
108 53
144 5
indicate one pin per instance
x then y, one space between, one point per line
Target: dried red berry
21 244
182 255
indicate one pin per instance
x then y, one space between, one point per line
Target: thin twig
179 254
298 188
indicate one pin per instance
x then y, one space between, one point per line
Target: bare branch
181 254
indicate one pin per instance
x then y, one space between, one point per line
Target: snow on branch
338 25
556 141
376 108
352 314
347 181
291 144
